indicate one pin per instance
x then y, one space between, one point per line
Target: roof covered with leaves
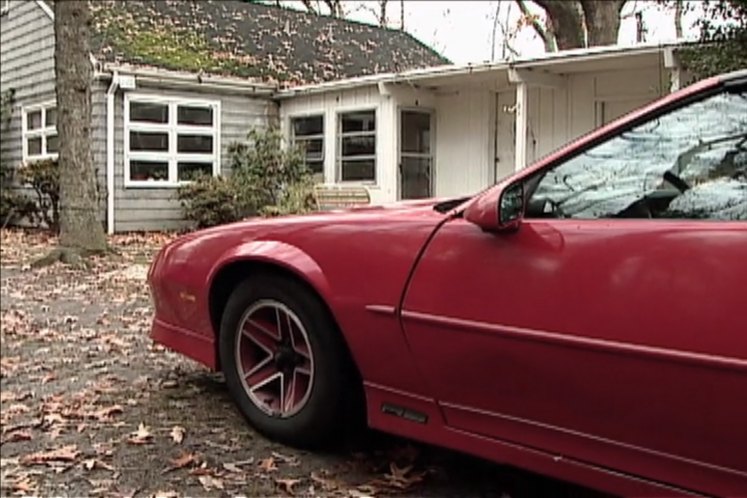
248 39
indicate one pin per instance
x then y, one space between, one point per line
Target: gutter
190 81
110 93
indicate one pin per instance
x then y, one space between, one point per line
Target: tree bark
80 227
547 36
602 21
678 19
565 20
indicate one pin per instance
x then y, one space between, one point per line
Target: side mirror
500 209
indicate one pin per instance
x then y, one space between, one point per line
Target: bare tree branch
309 6
548 38
382 13
678 18
402 15
335 8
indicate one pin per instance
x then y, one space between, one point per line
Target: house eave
151 76
554 61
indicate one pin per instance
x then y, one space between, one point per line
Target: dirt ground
91 407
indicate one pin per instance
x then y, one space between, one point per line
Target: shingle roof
249 39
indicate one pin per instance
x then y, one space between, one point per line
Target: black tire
319 419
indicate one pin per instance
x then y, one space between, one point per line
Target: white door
415 154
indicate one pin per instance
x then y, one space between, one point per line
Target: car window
689 163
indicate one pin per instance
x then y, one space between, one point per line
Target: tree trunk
565 20
602 21
80 227
678 19
402 15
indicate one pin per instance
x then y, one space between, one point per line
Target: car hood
261 227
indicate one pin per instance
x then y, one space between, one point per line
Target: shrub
44 177
267 179
210 201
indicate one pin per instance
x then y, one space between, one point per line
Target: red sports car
585 318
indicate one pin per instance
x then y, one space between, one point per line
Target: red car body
612 353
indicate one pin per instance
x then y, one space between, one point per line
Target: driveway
91 407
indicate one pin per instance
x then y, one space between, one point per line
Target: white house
453 130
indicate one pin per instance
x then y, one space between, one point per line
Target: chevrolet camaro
584 318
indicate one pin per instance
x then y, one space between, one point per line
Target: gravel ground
91 407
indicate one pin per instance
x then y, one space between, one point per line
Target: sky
462 29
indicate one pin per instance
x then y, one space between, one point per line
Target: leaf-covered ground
91 407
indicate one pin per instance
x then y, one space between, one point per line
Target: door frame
432 113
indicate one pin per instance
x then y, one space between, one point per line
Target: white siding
26 66
464 141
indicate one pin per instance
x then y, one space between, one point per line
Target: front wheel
284 361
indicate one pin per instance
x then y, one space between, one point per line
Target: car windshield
696 156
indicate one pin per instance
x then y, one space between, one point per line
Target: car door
610 327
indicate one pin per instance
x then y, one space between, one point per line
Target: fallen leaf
327 483
286 485
236 466
141 436
64 454
290 460
268 465
177 434
16 436
105 414
23 485
183 460
166 494
210 483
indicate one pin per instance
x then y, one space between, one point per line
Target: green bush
266 179
210 201
44 177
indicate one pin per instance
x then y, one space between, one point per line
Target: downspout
110 152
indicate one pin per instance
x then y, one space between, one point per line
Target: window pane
149 170
34 120
416 132
147 112
149 141
358 170
53 144
187 171
34 146
195 143
195 116
359 146
358 121
310 125
315 166
313 148
51 117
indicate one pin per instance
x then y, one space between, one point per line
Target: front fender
278 253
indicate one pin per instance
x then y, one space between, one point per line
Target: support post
520 156
672 62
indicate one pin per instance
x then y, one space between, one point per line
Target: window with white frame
39 130
169 141
356 146
307 132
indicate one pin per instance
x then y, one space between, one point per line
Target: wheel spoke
259 338
260 377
